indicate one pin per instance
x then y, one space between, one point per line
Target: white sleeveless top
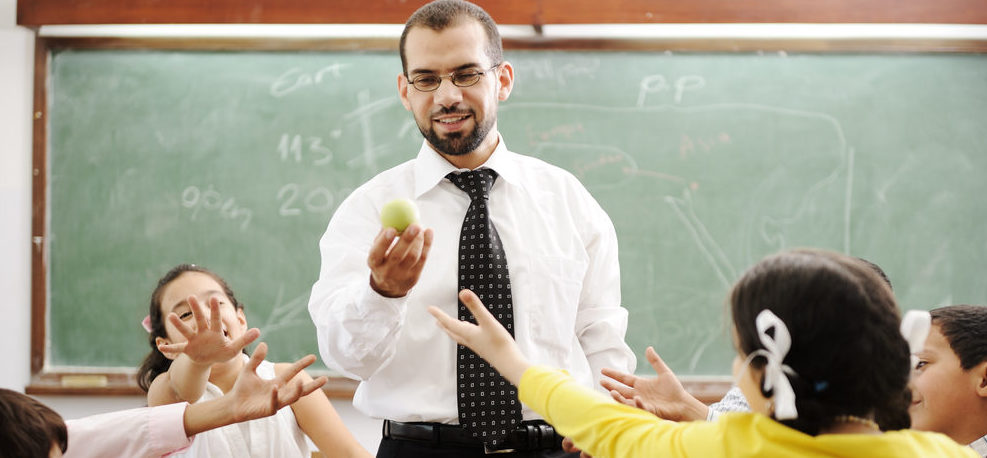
274 436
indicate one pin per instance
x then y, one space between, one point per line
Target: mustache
451 111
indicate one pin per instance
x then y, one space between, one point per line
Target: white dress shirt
561 250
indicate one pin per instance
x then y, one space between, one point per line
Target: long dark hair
155 363
847 353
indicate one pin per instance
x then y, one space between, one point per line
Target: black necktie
488 404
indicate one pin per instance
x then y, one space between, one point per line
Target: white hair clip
915 329
775 350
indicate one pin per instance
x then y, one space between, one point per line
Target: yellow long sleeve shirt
604 428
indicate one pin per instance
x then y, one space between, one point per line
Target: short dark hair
442 14
155 363
965 328
29 428
847 352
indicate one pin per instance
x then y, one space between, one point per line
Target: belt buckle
487 450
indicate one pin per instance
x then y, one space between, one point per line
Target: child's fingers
624 390
656 361
621 398
313 385
251 335
198 313
626 379
215 320
287 394
294 369
174 348
183 328
472 302
255 359
452 327
639 403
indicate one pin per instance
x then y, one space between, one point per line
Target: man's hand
394 270
487 337
662 395
253 397
207 343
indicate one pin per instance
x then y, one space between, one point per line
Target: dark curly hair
847 352
155 363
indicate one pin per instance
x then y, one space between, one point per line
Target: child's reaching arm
205 345
320 422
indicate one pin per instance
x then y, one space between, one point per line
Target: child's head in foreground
949 386
847 356
29 428
170 296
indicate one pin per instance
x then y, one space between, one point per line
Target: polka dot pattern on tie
488 404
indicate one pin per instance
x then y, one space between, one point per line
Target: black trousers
396 448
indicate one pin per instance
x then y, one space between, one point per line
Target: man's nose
448 94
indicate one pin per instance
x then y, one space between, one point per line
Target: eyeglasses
431 82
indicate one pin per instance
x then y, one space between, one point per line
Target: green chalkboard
705 162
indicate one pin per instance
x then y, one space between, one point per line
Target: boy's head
949 386
29 428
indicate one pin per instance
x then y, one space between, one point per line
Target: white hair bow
775 349
915 329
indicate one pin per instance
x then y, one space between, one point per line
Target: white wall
16 104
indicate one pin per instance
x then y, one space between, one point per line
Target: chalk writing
656 84
296 201
689 144
212 201
562 72
295 79
294 147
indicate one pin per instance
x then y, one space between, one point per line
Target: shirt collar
431 168
980 446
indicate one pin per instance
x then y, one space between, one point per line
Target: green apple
399 214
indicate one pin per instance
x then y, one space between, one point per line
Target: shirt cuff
712 414
167 427
374 303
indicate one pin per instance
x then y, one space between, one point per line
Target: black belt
528 435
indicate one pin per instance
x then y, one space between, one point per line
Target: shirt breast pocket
554 285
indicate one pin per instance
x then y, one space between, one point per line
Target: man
559 292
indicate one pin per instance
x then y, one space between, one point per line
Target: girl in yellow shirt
818 352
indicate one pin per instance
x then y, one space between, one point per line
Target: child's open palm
207 342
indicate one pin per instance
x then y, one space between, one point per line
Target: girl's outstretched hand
662 395
253 397
487 338
207 342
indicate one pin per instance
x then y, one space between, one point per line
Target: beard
457 143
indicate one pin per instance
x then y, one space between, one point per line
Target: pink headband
146 322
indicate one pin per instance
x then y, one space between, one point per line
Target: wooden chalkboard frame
80 381
538 12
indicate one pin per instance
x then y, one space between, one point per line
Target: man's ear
159 341
403 91
979 374
505 76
